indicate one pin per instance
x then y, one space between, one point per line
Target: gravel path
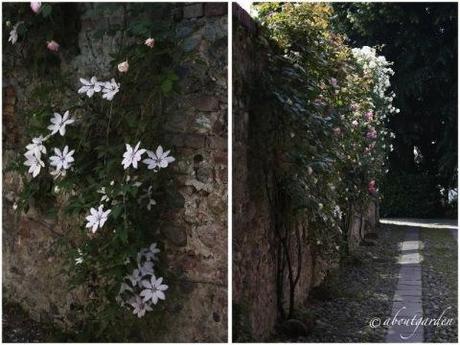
440 281
362 289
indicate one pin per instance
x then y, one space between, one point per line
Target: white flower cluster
108 88
62 161
379 68
131 157
155 162
142 289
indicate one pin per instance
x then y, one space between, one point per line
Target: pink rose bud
123 67
52 45
371 187
150 42
35 6
369 116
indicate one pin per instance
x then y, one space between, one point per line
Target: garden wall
255 245
195 234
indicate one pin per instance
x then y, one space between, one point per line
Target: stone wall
256 295
195 237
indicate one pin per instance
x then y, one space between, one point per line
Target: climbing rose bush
333 105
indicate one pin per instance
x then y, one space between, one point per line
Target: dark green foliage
411 195
421 39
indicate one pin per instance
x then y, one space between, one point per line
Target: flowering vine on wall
100 160
327 129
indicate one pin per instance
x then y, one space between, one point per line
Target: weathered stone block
193 11
206 103
175 234
215 9
191 43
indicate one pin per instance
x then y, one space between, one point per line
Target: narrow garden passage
413 266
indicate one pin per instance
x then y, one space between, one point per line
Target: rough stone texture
255 245
195 237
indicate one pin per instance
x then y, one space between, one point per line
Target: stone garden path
409 296
410 271
407 300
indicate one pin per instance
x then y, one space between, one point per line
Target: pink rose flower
371 134
150 42
35 6
123 67
369 116
371 187
52 45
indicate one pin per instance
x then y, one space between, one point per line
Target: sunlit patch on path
423 223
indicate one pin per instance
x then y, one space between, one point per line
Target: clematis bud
123 66
35 6
150 42
52 45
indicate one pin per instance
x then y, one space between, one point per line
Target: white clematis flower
58 123
158 160
134 277
149 254
154 290
146 268
62 160
36 147
110 89
90 86
132 156
140 307
34 163
97 218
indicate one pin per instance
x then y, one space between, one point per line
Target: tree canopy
421 40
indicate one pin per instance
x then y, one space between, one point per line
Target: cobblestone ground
18 327
342 307
440 283
363 289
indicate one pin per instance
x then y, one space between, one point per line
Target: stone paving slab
408 309
405 334
407 300
399 297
